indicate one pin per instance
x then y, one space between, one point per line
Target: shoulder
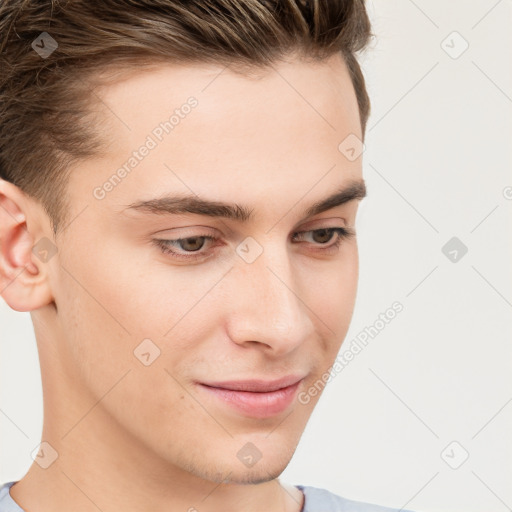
7 504
322 500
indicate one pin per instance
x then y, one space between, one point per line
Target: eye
190 248
324 235
191 244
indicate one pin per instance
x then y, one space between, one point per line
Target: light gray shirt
315 500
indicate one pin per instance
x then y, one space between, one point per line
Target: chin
252 476
235 472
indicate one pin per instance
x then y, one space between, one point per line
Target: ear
24 282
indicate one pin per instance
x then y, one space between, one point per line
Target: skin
133 437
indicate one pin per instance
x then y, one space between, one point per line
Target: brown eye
184 248
191 244
324 235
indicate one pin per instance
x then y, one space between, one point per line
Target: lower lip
256 405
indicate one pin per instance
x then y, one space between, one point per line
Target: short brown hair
45 103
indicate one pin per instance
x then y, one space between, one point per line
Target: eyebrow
172 205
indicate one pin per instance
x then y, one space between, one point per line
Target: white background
437 164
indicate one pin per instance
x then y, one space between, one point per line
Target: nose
268 305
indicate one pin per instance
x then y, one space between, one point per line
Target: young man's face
257 302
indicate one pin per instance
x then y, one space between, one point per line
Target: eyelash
165 245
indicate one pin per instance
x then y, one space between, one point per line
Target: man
179 191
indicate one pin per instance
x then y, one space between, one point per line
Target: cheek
332 292
99 354
110 304
129 288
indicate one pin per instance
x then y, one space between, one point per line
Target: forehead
324 87
218 133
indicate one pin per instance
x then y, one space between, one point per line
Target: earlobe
23 279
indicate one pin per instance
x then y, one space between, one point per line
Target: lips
255 398
255 385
